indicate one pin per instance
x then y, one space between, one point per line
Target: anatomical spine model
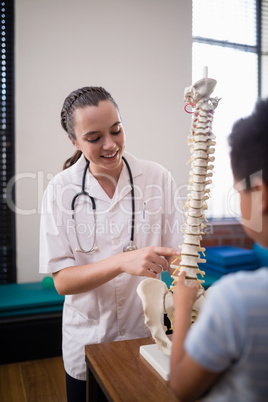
156 298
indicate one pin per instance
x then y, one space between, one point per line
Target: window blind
227 21
7 151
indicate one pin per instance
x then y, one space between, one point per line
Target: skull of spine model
156 298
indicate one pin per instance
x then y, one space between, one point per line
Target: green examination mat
28 298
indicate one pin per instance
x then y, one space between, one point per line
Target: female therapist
104 202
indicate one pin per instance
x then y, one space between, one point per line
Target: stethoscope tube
83 192
131 246
132 199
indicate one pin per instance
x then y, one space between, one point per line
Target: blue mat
220 270
230 256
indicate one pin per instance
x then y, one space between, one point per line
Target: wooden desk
118 369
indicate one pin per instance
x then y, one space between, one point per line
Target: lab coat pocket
78 331
79 328
74 318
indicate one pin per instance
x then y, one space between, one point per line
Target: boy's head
249 145
249 160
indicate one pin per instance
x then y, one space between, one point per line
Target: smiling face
100 136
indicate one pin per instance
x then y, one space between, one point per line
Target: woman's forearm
147 261
83 278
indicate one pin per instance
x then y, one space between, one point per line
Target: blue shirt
231 336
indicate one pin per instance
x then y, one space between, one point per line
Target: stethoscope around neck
129 247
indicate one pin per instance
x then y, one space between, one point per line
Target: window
7 217
229 37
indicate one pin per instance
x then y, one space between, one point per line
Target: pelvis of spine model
156 298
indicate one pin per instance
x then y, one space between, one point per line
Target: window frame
246 48
256 49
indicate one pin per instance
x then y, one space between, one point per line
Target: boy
224 355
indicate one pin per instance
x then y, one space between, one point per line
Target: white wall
138 50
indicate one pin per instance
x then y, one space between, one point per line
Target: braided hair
80 98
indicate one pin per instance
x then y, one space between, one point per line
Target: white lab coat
112 311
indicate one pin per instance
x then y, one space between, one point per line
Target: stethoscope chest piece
130 247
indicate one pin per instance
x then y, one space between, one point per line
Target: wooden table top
124 374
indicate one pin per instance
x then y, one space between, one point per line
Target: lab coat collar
95 190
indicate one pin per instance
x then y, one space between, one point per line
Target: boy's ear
258 184
264 198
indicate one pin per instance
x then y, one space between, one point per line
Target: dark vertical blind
7 149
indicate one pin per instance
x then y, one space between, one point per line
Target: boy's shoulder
258 277
243 287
